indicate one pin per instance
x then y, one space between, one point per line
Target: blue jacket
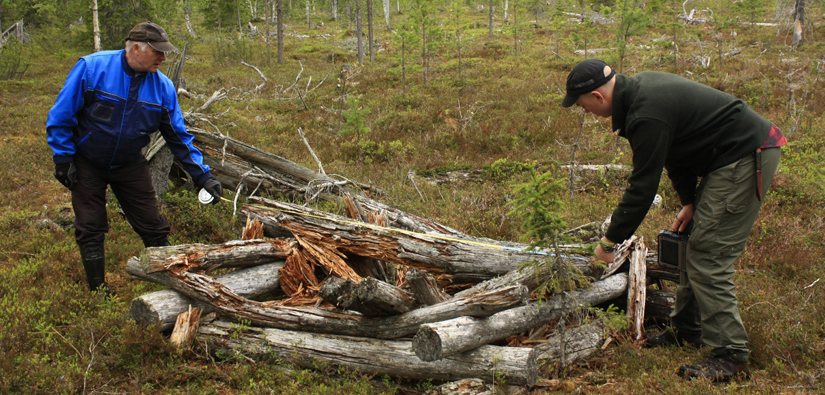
106 112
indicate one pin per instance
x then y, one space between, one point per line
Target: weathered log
383 299
236 253
338 292
185 327
655 271
636 290
571 345
466 261
425 288
231 305
163 307
659 305
515 365
441 339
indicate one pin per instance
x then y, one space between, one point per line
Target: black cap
153 34
586 77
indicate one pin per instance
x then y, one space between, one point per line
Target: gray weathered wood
237 253
425 288
383 298
441 339
636 289
464 260
568 346
515 365
163 307
233 306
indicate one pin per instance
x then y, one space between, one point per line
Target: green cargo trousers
726 209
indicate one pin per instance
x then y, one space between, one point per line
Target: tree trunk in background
335 10
96 26
268 36
799 19
387 13
369 31
187 11
490 25
309 22
280 16
506 6
359 32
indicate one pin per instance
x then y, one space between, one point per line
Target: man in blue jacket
109 105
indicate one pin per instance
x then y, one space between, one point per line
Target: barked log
236 253
466 261
424 288
163 307
439 340
515 365
571 345
233 306
371 297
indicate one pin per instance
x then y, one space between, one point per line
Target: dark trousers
132 185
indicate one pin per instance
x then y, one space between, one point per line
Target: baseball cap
586 77
153 34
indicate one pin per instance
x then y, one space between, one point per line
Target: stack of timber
380 291
456 309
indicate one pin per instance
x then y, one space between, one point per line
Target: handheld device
673 249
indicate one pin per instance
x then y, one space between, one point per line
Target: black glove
214 188
66 173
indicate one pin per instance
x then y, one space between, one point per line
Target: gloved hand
214 188
66 173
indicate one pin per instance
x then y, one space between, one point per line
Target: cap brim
569 100
162 46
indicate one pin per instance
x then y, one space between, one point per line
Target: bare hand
601 255
683 219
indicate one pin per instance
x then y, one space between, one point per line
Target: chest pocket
104 108
148 118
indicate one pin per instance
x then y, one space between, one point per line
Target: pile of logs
381 291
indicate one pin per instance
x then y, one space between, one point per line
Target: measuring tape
408 232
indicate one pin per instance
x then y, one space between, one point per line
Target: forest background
442 90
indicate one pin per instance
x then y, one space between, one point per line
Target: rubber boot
94 262
157 241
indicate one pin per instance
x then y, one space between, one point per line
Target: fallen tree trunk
384 298
237 253
441 339
466 261
268 314
163 307
572 344
425 288
515 365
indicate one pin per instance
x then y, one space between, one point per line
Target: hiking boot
722 368
671 336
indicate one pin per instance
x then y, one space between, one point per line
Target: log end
145 314
427 344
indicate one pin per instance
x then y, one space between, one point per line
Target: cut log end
427 344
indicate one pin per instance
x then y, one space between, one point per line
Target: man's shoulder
102 55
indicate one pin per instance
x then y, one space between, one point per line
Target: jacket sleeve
650 142
684 182
180 140
62 117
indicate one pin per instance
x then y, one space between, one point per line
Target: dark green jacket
680 125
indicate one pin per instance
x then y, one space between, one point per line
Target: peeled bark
229 304
515 365
466 261
442 339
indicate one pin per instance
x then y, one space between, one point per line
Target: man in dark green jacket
721 158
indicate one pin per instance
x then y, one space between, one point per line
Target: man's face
596 103
148 61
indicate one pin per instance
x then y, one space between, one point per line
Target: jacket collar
126 68
621 96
